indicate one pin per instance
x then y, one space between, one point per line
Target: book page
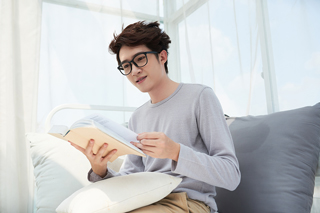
82 135
59 129
120 130
102 130
124 133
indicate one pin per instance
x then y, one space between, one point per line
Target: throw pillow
120 194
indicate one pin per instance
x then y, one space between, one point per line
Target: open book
102 130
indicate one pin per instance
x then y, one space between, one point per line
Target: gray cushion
278 156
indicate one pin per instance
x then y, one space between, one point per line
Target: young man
182 128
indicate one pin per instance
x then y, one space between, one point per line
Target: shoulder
142 107
196 89
194 86
203 96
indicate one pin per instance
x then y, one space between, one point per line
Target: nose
135 70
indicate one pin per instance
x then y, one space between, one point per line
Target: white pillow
120 194
59 170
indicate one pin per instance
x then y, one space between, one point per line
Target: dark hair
140 33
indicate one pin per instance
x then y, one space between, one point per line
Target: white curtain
19 62
253 53
218 44
76 66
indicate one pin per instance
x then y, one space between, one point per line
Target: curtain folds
75 65
19 62
222 40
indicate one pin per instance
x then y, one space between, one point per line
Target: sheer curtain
252 54
19 62
295 32
219 46
258 56
76 66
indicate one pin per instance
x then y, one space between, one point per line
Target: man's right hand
98 161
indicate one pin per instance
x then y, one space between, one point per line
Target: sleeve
131 164
220 166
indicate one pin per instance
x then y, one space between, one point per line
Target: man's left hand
158 145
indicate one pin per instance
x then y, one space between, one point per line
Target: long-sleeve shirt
193 117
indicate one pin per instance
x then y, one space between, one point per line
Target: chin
143 90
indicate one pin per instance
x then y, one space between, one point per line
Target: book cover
102 130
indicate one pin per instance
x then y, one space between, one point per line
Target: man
182 128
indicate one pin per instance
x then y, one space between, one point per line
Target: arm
132 164
98 162
99 170
218 167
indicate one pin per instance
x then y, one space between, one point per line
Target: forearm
218 170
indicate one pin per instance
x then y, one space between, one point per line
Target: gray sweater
193 117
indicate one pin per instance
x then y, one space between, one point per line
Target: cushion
278 155
120 194
59 170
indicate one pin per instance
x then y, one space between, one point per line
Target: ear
163 55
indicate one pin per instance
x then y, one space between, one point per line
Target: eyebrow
121 62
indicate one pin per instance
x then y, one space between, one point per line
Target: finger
89 149
137 144
77 147
148 135
109 155
148 142
144 147
147 152
102 150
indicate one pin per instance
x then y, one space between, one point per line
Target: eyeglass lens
139 60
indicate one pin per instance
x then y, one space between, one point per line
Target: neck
163 90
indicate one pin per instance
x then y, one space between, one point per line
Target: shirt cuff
93 177
177 166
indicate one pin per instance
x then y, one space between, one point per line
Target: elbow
235 181
234 176
230 175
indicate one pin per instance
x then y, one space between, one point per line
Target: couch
278 156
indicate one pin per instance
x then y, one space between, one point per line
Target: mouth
140 80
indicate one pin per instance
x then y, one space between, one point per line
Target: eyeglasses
140 60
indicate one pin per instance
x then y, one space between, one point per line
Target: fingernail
91 141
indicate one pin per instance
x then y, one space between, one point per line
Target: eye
140 58
125 66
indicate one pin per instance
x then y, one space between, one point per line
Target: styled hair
141 33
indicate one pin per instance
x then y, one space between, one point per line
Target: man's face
145 78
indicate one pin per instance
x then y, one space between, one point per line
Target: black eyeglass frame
132 62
